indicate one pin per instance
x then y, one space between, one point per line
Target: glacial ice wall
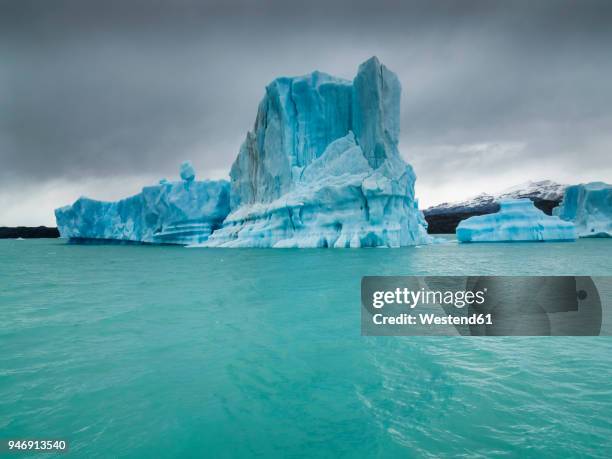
321 167
183 212
517 220
589 207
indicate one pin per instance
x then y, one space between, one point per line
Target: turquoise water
142 351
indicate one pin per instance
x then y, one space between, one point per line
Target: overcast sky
101 98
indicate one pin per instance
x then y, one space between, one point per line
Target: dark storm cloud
96 89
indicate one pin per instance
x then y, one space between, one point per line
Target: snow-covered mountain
544 189
444 218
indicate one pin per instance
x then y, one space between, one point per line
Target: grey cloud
100 89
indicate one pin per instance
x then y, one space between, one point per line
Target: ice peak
187 171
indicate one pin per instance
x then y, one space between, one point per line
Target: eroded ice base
338 200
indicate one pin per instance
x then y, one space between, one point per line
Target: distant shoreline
28 232
445 220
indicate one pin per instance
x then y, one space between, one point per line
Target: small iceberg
589 207
517 220
183 212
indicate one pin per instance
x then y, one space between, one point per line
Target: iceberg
517 220
187 171
589 207
183 212
321 168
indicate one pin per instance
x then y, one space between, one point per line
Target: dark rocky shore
27 232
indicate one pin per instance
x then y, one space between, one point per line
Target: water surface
146 351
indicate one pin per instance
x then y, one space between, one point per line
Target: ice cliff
321 167
589 206
183 212
517 220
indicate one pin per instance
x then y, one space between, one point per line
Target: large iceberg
517 220
589 206
183 212
321 167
